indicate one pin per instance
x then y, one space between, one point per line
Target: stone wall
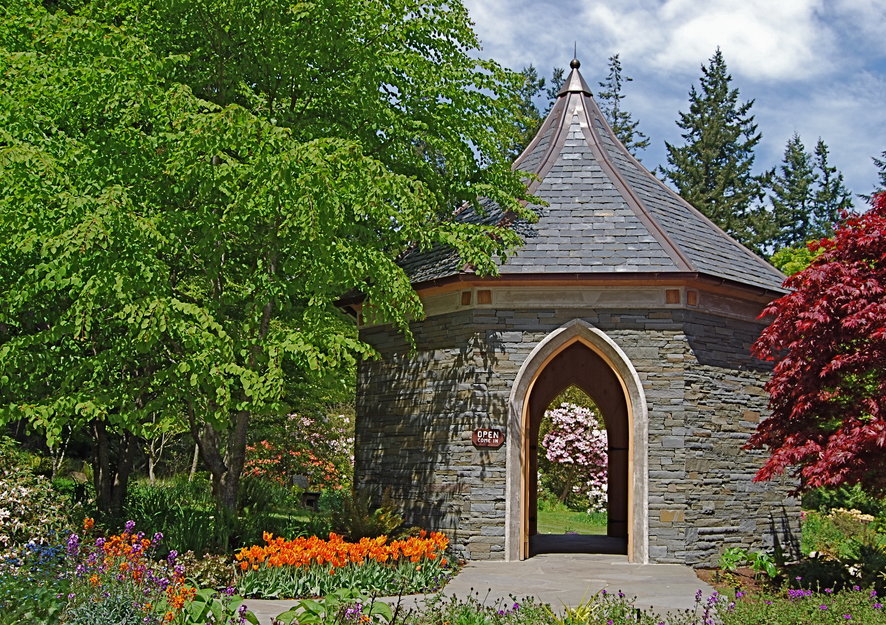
704 396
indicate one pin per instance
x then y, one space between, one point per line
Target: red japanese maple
828 388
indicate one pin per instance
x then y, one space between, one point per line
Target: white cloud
761 39
861 19
812 66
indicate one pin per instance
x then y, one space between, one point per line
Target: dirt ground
742 579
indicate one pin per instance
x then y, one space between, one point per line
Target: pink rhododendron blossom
577 441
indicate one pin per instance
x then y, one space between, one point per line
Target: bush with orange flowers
309 567
116 579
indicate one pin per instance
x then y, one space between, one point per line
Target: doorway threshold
576 543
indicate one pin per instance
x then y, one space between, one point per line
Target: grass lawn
562 520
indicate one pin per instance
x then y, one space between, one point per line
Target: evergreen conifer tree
831 195
807 196
712 170
881 166
531 115
792 190
609 97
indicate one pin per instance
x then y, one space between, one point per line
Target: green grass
562 520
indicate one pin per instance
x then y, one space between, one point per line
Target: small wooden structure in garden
623 290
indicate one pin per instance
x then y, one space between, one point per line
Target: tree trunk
194 463
111 479
223 459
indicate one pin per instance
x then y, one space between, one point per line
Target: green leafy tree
188 188
807 196
791 260
622 123
712 170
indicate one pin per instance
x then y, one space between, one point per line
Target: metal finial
574 63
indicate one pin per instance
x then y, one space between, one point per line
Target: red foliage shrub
828 388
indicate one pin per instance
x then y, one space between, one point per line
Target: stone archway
581 355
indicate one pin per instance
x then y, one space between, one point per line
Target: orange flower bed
337 553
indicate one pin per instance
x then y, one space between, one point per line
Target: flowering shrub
320 449
615 608
117 580
31 511
306 567
117 575
575 451
845 548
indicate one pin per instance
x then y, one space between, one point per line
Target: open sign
487 437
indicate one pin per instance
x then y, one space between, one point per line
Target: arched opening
579 366
580 355
572 452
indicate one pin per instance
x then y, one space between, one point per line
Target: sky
814 67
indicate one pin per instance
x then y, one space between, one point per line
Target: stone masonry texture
416 409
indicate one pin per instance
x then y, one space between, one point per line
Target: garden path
558 579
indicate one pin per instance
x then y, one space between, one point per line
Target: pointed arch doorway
580 355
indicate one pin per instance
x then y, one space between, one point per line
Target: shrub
320 448
31 511
117 580
33 586
574 463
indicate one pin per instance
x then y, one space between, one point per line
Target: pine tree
792 193
831 195
531 115
881 166
712 170
609 97
530 118
807 196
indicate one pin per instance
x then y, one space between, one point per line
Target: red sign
485 437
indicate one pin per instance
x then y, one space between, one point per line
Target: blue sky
816 67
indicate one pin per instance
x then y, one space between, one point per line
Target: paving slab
558 579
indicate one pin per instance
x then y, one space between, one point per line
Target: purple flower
847 616
768 602
173 554
877 606
73 544
822 607
856 588
130 525
829 590
157 537
516 607
739 594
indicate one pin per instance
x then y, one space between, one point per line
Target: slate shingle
605 213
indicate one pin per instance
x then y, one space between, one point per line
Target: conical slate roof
606 213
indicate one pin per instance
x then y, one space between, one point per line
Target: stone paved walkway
558 579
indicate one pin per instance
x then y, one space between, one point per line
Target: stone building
622 289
